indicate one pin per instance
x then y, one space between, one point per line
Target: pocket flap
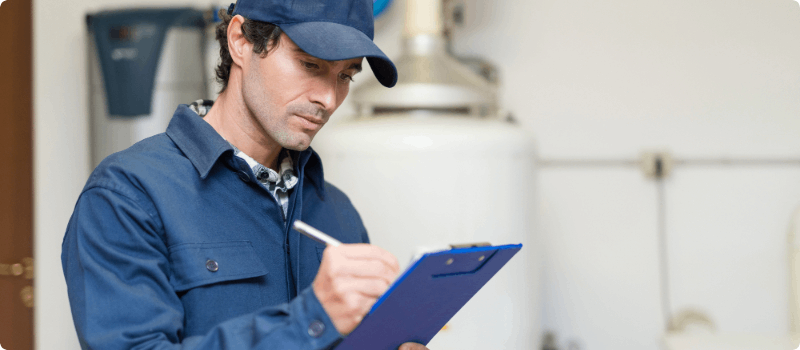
196 264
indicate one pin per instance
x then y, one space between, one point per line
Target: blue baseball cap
331 30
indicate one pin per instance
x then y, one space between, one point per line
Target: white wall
591 80
703 79
728 243
601 286
606 79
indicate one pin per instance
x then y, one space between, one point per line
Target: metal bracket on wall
690 318
549 342
656 165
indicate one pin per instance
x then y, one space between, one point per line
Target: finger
412 346
343 261
372 288
366 287
358 305
363 269
362 251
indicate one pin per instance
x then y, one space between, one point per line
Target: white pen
315 234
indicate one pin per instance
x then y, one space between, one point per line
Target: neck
231 118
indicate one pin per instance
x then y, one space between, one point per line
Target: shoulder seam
152 213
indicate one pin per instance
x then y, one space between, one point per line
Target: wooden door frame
16 172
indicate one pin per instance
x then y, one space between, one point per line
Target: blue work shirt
173 244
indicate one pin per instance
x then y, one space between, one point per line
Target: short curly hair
263 35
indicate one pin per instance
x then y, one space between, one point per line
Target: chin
301 147
298 144
296 140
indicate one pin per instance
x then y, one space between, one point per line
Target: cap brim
334 42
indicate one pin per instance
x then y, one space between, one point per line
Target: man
184 239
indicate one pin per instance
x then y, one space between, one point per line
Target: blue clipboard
427 296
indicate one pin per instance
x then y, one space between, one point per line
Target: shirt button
243 175
316 328
212 265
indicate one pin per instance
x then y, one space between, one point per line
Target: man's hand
350 279
412 346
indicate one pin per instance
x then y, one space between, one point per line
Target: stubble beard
268 118
265 116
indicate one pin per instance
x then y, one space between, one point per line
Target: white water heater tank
429 181
429 163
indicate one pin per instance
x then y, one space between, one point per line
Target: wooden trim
16 168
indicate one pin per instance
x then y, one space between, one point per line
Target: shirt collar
310 167
204 146
197 139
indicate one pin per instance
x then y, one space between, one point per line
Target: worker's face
292 94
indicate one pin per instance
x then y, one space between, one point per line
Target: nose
325 94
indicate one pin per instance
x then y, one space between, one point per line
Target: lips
311 119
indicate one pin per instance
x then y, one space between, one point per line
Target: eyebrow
356 66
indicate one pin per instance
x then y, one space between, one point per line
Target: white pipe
794 268
423 17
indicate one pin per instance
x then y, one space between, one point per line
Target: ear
238 45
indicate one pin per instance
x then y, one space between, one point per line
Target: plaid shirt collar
268 177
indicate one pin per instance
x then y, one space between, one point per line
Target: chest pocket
216 282
197 264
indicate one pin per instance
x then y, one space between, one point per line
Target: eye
346 77
309 65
